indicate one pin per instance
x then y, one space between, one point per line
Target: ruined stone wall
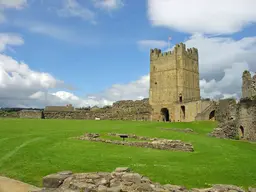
226 115
226 110
121 179
236 121
4 114
186 111
121 110
207 111
29 114
59 108
249 85
246 119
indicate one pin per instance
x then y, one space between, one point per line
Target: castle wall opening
241 132
183 112
165 114
212 115
180 98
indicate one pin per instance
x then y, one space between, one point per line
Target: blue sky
95 52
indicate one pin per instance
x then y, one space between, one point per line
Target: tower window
180 98
155 83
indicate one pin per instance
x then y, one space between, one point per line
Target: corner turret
180 49
154 53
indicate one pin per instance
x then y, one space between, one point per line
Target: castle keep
174 85
174 94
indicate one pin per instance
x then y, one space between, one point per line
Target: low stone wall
139 110
120 180
4 114
27 114
100 113
154 143
121 110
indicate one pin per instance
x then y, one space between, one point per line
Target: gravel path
11 185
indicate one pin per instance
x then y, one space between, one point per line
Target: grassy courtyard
31 149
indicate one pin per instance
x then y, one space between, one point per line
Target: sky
96 52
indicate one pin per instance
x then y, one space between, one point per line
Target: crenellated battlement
179 49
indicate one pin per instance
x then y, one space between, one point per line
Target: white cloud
9 39
219 53
64 98
108 4
10 4
229 86
17 80
134 90
18 76
147 44
204 16
71 8
17 4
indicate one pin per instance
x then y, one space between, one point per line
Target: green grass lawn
31 149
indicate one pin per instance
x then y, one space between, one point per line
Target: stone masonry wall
236 120
174 78
246 119
226 115
121 110
4 114
249 85
28 114
226 110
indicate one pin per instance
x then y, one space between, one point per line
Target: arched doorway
241 132
212 115
165 114
183 112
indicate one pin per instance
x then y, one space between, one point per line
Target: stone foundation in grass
186 130
146 142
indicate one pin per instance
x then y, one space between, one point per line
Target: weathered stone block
55 180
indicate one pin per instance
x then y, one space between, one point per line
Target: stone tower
174 80
249 85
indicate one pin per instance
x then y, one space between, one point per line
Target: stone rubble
155 143
225 130
120 180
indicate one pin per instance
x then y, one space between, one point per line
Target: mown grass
31 149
